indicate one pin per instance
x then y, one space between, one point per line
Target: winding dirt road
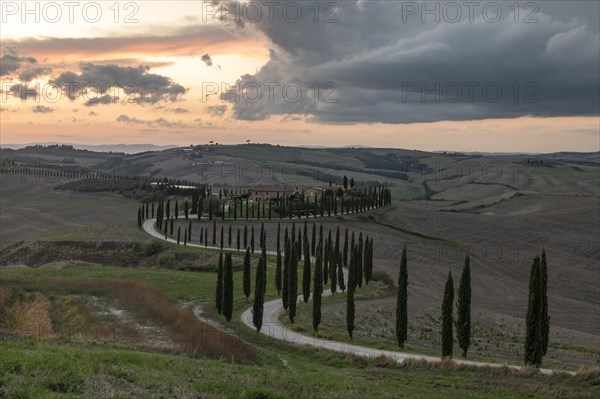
273 328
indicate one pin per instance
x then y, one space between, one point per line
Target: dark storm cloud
28 75
144 87
383 67
11 61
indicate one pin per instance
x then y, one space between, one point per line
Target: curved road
273 328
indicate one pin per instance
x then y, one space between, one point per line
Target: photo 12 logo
457 11
270 11
255 91
69 12
91 93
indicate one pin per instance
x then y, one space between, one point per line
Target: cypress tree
176 209
246 278
278 272
139 218
306 271
340 276
333 271
238 240
402 302
168 213
252 240
463 320
190 232
350 294
245 236
345 253
214 237
359 269
313 243
447 310
533 322
259 297
228 288
545 318
278 236
317 289
326 262
293 283
186 210
178 234
229 241
221 241
219 291
286 275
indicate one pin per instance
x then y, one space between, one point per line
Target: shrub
381 276
152 247
166 260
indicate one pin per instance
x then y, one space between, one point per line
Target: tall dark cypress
139 218
345 253
214 237
278 272
176 209
238 240
402 302
333 269
340 275
306 270
246 277
259 296
222 238
278 237
229 241
447 310
313 243
533 322
545 318
317 289
293 283
350 294
252 240
463 319
245 236
359 269
286 274
178 234
219 290
228 288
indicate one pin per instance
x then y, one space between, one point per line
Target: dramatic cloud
40 109
28 75
138 84
11 61
380 64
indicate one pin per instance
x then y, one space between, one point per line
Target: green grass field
63 368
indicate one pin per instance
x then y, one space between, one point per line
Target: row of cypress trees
463 316
537 318
371 198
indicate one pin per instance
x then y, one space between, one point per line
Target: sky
500 76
